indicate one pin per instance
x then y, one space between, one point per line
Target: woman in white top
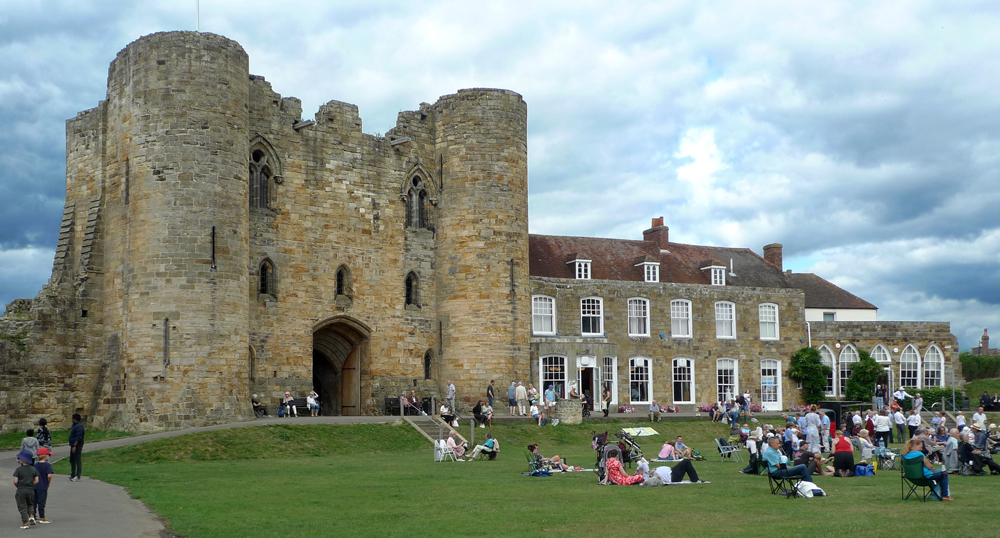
535 414
813 423
883 427
313 403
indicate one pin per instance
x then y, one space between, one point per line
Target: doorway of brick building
340 349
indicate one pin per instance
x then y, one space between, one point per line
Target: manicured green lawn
60 437
381 480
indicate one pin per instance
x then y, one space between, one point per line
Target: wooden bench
300 406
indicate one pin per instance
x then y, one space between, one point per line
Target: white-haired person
488 446
458 448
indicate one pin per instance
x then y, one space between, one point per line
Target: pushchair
630 450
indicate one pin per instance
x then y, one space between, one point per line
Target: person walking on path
25 478
489 392
522 399
44 469
76 435
43 435
512 398
449 395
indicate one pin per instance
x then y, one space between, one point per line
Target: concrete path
94 509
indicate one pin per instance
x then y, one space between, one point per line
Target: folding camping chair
783 485
727 450
912 475
536 469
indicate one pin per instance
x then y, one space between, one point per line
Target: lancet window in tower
412 290
260 178
266 278
416 204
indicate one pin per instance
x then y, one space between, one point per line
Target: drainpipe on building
809 334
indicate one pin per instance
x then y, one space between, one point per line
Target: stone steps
432 427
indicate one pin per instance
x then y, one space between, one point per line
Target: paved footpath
94 509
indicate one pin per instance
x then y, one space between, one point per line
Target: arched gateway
340 350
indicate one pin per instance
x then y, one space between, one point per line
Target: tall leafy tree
864 375
807 369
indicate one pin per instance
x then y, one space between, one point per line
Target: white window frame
682 372
636 365
638 316
765 390
767 321
928 368
581 268
881 354
609 377
721 323
909 356
831 314
650 271
680 313
830 389
536 312
588 311
721 365
718 276
557 377
848 356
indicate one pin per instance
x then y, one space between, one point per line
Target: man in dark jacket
970 454
75 448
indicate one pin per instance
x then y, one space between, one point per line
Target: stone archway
340 347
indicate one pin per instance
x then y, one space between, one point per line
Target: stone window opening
416 204
265 278
428 362
412 290
260 179
344 285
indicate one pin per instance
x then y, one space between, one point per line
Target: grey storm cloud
863 137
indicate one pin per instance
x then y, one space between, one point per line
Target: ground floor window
770 390
609 378
554 373
909 368
640 386
683 381
725 373
933 364
848 357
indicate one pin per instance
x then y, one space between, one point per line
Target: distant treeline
979 367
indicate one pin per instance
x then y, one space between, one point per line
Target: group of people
288 406
460 449
732 410
33 476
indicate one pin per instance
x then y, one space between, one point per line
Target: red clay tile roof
615 259
821 293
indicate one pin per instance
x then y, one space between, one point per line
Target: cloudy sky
863 136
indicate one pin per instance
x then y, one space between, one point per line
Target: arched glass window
933 365
416 204
343 281
881 354
909 368
848 356
826 357
683 379
260 179
412 290
265 276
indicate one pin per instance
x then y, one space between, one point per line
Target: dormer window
582 268
718 274
650 271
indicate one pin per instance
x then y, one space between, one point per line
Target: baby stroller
599 442
587 402
630 450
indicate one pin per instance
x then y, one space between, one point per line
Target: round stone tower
482 269
177 123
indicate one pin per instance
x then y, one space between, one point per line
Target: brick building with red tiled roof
692 324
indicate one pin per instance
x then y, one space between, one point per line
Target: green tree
808 370
864 375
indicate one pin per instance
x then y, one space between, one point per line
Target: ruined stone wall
703 347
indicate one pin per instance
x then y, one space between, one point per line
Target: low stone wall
568 411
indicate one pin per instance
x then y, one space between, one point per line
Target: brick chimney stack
657 233
772 255
984 344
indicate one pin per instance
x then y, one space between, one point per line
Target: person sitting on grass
458 449
681 449
777 463
668 452
555 462
813 460
615 474
912 452
488 446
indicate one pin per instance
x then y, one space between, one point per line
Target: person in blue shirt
550 397
775 460
488 446
912 452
